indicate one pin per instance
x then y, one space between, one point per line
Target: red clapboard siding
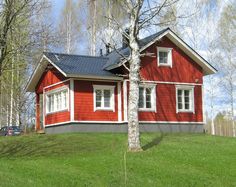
183 69
51 77
166 106
60 116
84 106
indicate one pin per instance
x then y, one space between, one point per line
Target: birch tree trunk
133 119
232 106
68 34
94 29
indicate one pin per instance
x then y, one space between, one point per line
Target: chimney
107 48
125 40
101 54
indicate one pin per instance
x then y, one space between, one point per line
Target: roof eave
207 68
38 71
95 77
35 77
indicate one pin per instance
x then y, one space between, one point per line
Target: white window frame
54 91
153 97
169 56
191 101
112 99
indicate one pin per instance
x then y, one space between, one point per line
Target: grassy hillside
99 160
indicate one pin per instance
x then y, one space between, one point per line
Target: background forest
29 27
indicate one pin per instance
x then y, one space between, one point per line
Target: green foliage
98 160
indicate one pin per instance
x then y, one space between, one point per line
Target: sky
200 29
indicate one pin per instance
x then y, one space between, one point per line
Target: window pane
107 98
52 103
163 56
59 101
56 101
186 99
187 107
180 106
180 102
63 99
148 98
186 93
98 98
49 103
141 98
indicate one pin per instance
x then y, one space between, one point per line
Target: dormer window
164 56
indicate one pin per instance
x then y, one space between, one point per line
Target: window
57 100
103 97
185 99
164 56
147 98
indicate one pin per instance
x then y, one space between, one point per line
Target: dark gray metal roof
116 55
93 65
79 65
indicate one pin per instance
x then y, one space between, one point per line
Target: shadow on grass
27 148
156 141
51 145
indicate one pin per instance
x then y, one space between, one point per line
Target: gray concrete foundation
122 128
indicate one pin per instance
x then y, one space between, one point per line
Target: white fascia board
95 77
207 68
62 72
35 77
30 87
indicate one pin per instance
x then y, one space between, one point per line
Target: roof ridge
88 56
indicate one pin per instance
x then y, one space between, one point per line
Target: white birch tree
140 15
69 26
227 46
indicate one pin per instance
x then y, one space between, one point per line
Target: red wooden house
87 93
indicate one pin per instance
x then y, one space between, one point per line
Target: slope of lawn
101 160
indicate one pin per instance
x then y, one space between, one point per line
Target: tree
69 26
140 16
99 22
226 44
10 11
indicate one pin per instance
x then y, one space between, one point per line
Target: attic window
164 56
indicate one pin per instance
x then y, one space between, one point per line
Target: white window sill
63 110
146 110
185 111
165 65
104 109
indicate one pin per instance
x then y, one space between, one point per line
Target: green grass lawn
99 160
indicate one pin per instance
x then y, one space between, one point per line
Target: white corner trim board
125 100
119 101
72 100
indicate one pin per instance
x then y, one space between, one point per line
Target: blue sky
56 8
